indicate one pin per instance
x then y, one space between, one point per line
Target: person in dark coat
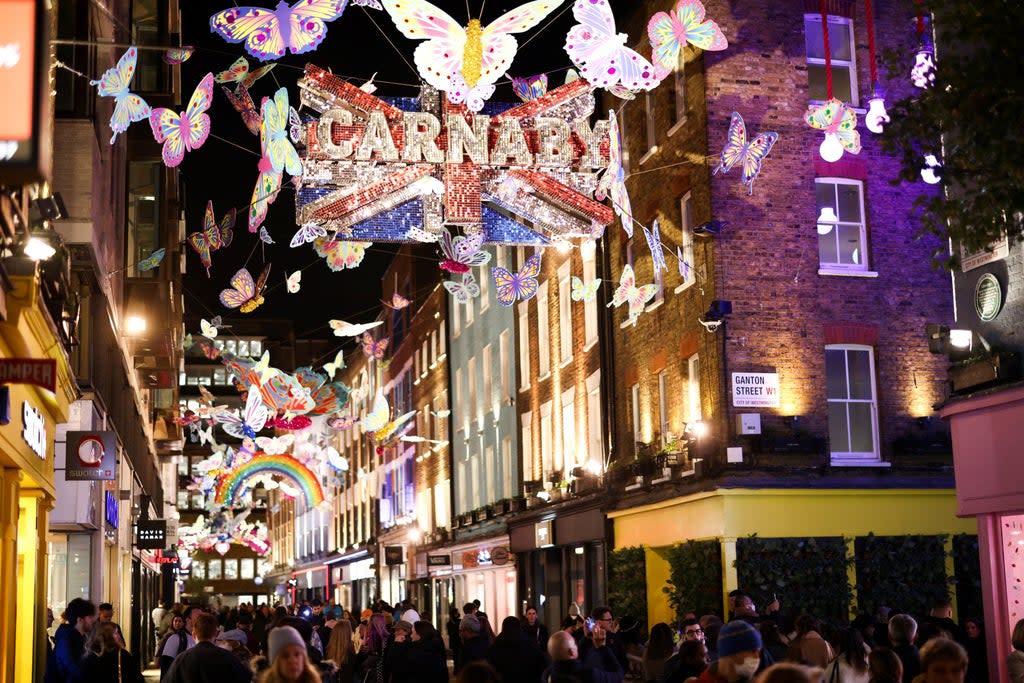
600 666
452 627
65 662
474 645
417 654
514 654
207 663
534 629
107 661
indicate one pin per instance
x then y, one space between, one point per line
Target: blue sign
110 509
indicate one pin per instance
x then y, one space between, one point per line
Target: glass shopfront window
70 569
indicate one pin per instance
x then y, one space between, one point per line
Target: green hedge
807 574
695 577
967 566
905 573
627 585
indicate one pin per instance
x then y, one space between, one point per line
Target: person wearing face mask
739 655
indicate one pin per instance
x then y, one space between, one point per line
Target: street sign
755 390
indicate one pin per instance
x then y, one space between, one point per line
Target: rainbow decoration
236 482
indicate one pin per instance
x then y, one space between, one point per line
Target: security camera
710 325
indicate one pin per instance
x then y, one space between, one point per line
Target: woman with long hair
371 654
286 651
884 666
851 666
659 648
106 661
977 652
341 651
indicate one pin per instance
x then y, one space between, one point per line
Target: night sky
223 172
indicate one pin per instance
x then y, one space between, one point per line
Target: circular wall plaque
988 297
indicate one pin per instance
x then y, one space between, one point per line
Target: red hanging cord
828 50
870 18
920 19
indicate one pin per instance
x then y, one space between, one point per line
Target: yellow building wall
729 514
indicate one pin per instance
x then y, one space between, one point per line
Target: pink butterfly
637 297
598 49
374 349
239 73
128 107
269 34
463 252
670 32
243 104
187 130
178 55
529 89
398 302
517 286
268 184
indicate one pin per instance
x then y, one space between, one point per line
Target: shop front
988 452
562 559
35 391
353 580
484 570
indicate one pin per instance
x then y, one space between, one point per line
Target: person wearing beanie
739 655
286 652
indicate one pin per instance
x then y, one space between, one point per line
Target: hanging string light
876 117
831 148
923 73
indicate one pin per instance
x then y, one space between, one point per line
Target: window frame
850 65
634 396
694 411
687 241
663 423
524 346
856 457
679 93
565 340
543 332
590 319
841 268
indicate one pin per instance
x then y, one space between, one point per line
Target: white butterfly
474 97
293 282
628 292
451 48
369 88
253 420
209 330
265 235
263 368
372 4
336 460
584 291
465 291
206 436
288 490
308 232
275 445
344 329
377 418
600 52
337 364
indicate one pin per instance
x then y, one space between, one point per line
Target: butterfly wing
757 150
259 27
209 331
697 31
665 41
822 116
201 245
243 104
627 283
847 131
620 202
235 72
293 282
268 184
198 120
117 79
341 254
227 235
128 108
178 55
308 232
256 75
526 278
265 236
231 423
274 137
593 45
256 413
242 290
439 57
529 89
378 416
467 249
735 144
639 296
308 21
294 126
499 47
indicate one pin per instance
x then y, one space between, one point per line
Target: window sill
590 343
676 126
525 388
546 375
655 305
847 461
683 287
857 108
847 273
627 322
565 361
648 155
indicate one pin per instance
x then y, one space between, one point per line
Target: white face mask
748 667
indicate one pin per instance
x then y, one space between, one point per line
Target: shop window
852 406
842 49
231 570
247 568
198 569
213 570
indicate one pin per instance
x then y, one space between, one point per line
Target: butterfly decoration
185 131
293 282
398 302
377 420
328 397
244 294
241 100
372 4
295 127
210 351
342 423
335 460
598 49
530 88
421 235
345 329
269 34
332 367
274 142
613 181
622 92
374 349
206 436
268 184
340 254
265 236
670 32
251 421
262 368
128 107
517 286
750 155
837 119
239 73
465 291
480 54
653 237
627 291
275 445
463 252
369 87
151 261
460 92
187 342
294 424
684 268
213 236
582 291
209 330
307 232
178 55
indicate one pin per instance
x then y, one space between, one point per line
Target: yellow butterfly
208 330
337 364
293 282
264 369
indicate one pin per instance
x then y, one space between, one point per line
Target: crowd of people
313 642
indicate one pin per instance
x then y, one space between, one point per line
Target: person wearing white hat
286 652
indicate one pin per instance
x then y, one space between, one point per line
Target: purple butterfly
517 286
269 34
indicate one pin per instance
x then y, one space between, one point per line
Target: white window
686 225
678 84
524 345
595 442
442 344
506 367
484 280
473 409
841 47
659 282
442 504
507 468
842 235
568 453
543 332
663 406
693 407
427 418
650 128
526 428
852 406
547 456
564 313
474 481
469 312
587 251
425 509
433 348
488 384
490 467
455 309
416 366
425 360
462 407
501 257
634 395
